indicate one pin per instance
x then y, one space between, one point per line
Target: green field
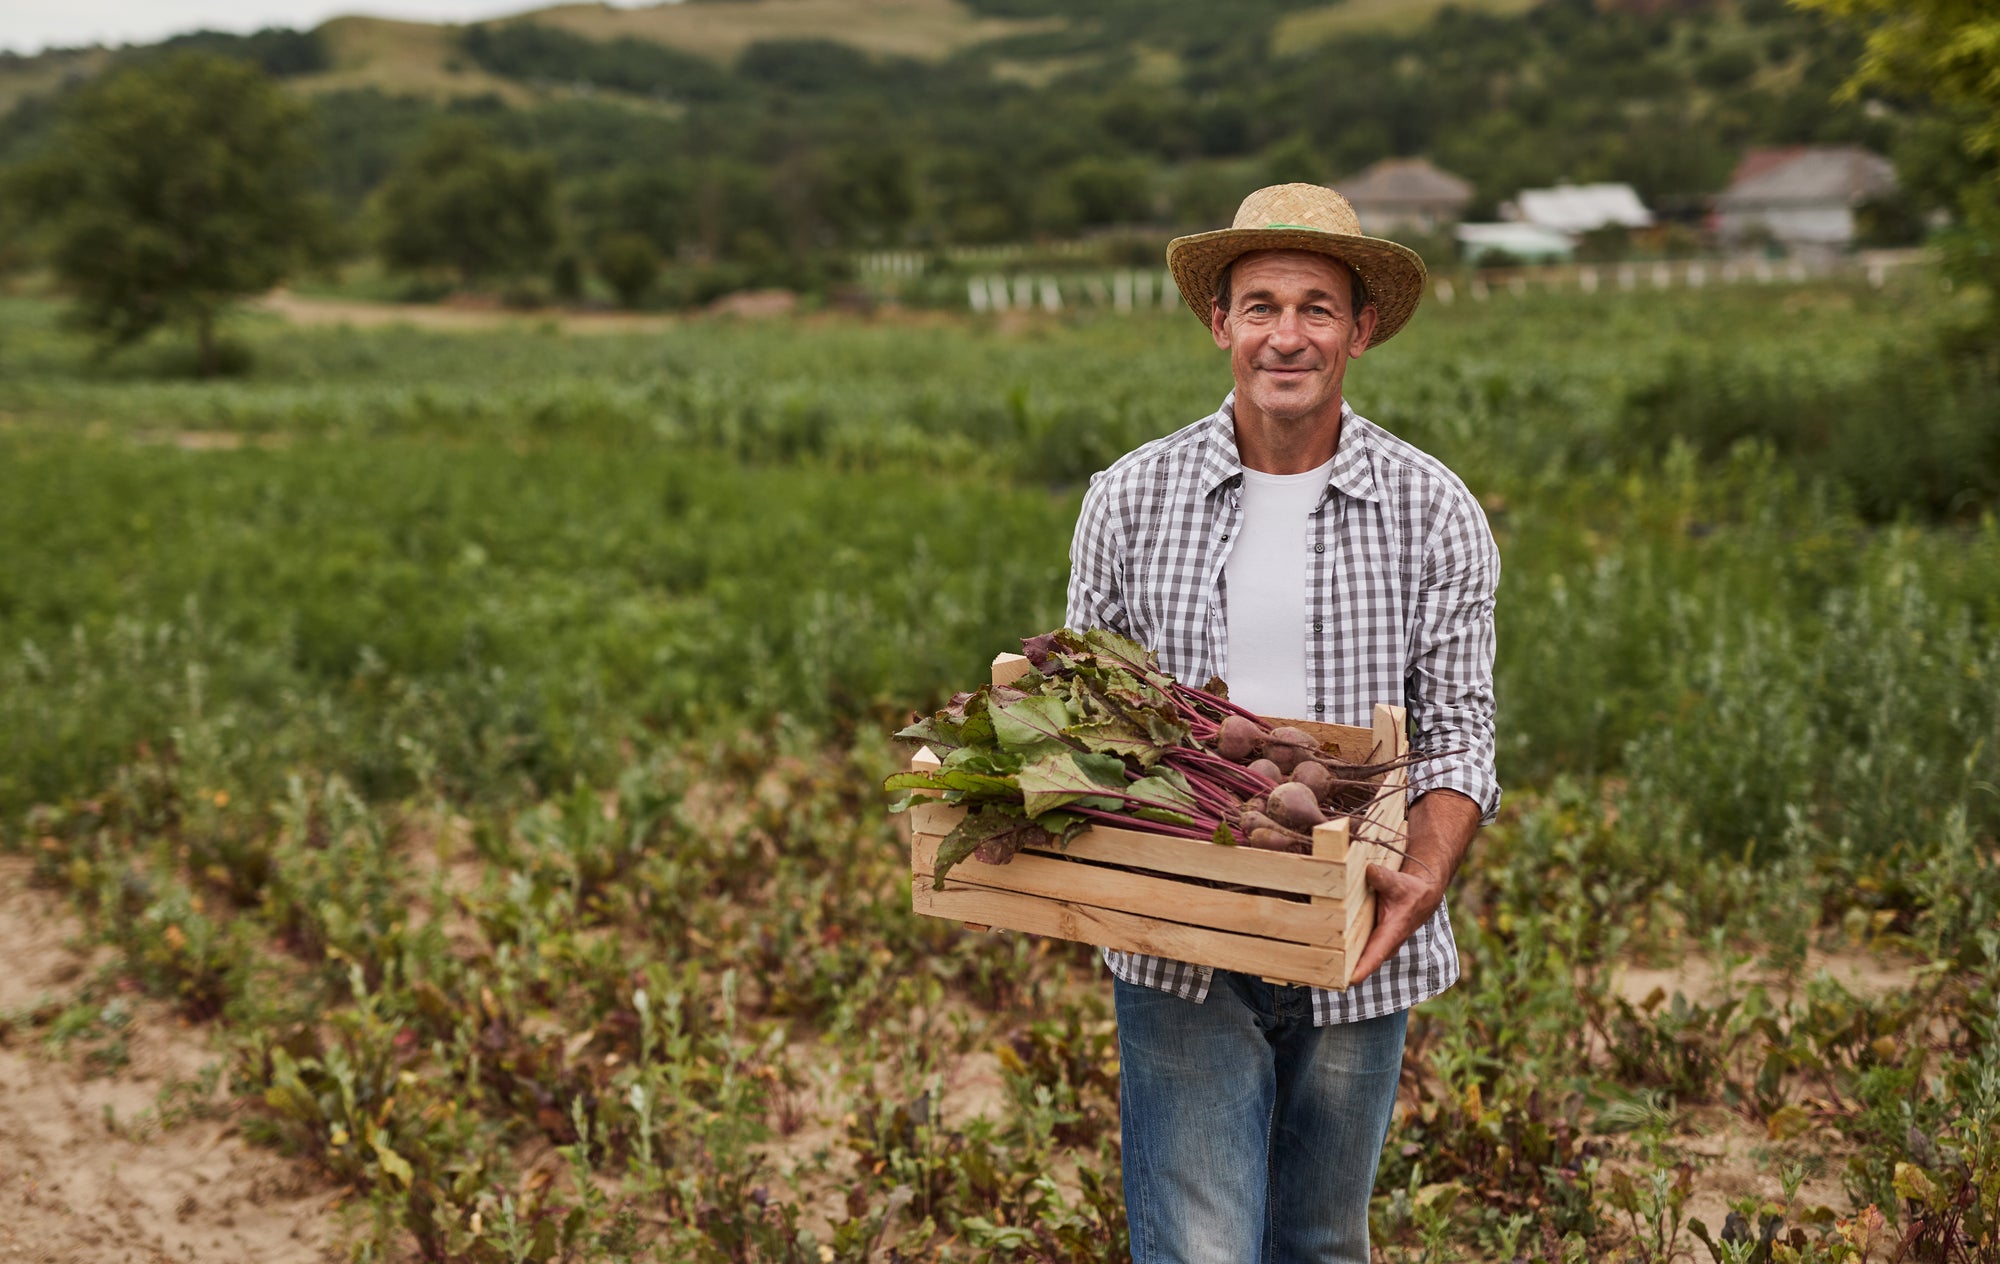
481 732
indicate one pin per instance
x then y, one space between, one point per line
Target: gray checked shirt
1400 585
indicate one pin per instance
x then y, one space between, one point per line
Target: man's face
1290 331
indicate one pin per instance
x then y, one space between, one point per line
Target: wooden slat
1008 668
1184 857
1385 821
935 818
1192 858
1131 932
1320 922
1390 812
1330 842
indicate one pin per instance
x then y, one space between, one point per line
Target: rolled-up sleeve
1450 681
1096 585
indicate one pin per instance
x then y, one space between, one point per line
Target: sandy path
301 310
87 1172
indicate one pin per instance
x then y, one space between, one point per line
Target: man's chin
1290 406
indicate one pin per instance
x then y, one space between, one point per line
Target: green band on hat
1307 227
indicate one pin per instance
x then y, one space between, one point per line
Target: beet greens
1094 734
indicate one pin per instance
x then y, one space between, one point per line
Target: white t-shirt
1265 579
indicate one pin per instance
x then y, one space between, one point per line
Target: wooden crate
1140 892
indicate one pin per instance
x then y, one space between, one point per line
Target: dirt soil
302 310
89 1171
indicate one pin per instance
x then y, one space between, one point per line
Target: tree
629 264
173 190
1946 52
464 202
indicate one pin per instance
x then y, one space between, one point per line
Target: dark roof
1402 182
1839 174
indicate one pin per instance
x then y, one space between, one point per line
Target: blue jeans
1250 1135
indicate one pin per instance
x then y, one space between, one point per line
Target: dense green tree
276 50
1945 53
175 189
654 202
630 265
534 52
465 202
1109 190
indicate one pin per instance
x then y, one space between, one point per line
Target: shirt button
1225 535
1319 706
1319 548
1318 626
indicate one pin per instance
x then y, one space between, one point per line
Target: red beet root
1295 807
1272 838
1314 775
1238 739
1286 746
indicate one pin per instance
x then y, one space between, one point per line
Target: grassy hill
422 58
926 29
418 58
1313 27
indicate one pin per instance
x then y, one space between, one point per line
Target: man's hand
1442 824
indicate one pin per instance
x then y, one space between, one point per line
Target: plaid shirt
1400 606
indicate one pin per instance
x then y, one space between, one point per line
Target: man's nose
1288 335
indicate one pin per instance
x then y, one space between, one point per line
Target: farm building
1802 198
1578 208
1523 243
1405 193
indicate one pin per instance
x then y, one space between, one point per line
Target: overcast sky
28 26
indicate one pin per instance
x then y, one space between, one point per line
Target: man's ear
1218 325
1364 329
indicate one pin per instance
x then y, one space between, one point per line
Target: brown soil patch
302 310
89 1167
1698 977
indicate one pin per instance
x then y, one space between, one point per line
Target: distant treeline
1146 115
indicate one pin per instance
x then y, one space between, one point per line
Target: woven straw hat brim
1393 273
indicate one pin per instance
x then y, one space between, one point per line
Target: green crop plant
413 703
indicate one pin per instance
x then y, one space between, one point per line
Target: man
1319 565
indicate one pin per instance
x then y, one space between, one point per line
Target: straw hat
1301 217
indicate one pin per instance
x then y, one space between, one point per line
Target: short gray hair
1357 292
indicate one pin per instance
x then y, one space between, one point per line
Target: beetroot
1314 776
1286 746
1271 838
1295 807
1251 821
1267 770
1238 739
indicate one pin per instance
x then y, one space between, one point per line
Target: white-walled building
1579 208
1802 198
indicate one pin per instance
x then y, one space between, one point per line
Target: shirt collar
1353 462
